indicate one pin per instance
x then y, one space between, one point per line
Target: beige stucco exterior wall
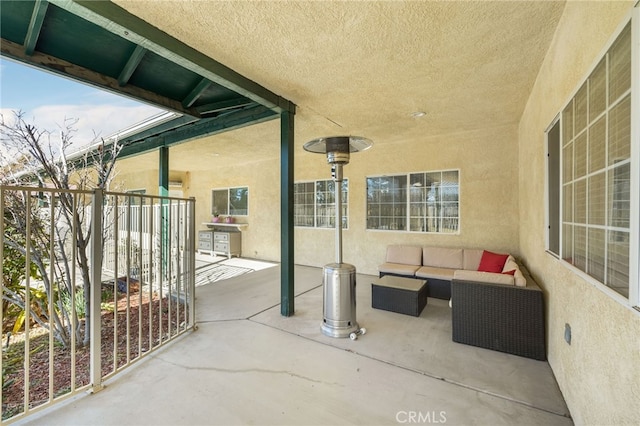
260 172
487 160
598 373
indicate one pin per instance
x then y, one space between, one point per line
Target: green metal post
163 172
286 214
163 191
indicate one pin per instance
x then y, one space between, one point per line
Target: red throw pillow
511 272
492 262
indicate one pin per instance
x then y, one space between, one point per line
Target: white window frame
407 204
634 243
227 212
316 221
547 196
633 300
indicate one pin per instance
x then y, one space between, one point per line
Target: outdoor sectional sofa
503 311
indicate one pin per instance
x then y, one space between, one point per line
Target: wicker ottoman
398 294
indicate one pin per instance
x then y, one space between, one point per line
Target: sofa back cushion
510 265
408 255
438 257
471 259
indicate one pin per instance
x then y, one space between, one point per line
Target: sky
47 99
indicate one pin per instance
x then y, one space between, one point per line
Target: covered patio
478 88
247 364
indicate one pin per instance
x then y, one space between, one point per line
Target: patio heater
339 279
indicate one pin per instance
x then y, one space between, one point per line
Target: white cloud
93 121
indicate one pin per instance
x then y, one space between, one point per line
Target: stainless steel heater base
339 313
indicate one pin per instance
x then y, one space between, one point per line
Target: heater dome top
344 144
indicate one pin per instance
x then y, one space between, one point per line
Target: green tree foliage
14 272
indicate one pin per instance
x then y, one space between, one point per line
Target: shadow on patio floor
247 364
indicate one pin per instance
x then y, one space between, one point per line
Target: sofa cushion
408 255
492 262
435 273
398 269
510 264
520 279
484 277
471 259
439 257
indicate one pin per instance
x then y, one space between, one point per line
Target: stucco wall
598 373
260 173
487 160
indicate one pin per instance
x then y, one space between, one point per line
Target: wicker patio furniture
504 318
397 294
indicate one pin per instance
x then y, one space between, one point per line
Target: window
230 201
595 194
416 202
553 188
315 205
136 200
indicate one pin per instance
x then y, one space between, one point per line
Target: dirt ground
141 323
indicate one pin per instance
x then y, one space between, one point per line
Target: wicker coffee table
399 294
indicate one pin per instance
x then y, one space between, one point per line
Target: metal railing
81 309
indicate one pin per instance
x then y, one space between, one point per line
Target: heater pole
339 279
338 195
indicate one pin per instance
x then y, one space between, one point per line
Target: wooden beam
131 65
59 66
196 92
35 26
114 18
200 129
157 137
238 102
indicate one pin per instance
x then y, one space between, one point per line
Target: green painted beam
223 105
163 127
117 20
202 128
287 290
131 65
35 26
78 73
196 92
149 140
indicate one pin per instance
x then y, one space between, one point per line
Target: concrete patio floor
246 364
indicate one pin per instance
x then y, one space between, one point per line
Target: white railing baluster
150 276
27 299
2 195
50 300
73 319
162 229
95 370
116 256
191 249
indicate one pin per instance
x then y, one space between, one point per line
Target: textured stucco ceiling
364 67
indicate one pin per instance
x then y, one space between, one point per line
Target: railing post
192 262
95 370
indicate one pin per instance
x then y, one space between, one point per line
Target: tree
14 263
40 157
